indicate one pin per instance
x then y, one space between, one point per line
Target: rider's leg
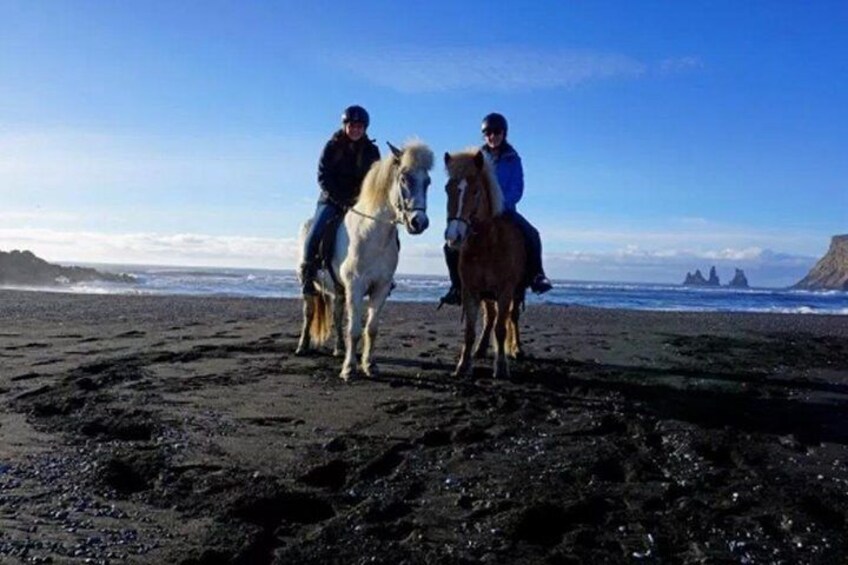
324 213
536 278
454 295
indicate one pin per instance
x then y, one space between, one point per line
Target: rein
396 221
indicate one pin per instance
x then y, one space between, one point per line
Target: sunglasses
492 132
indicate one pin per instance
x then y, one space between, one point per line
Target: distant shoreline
49 304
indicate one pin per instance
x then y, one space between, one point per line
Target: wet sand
184 430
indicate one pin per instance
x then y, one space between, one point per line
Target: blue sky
657 137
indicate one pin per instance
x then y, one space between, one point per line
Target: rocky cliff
24 268
831 271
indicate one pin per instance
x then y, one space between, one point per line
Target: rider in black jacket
342 168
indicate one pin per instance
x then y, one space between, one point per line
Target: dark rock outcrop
698 279
739 280
713 280
24 268
831 271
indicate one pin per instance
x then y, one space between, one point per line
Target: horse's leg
501 368
338 322
515 333
482 348
353 301
375 307
304 344
471 309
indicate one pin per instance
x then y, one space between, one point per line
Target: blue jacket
510 174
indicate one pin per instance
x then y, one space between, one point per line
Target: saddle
327 249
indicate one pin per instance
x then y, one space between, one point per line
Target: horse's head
408 194
473 194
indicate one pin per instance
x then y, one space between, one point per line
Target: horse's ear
447 158
478 159
395 151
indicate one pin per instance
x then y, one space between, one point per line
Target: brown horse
492 259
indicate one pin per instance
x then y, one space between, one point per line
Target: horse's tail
321 325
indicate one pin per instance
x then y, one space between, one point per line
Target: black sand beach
184 430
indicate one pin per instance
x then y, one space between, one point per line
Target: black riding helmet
355 114
494 121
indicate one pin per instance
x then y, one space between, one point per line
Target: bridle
405 201
401 205
469 223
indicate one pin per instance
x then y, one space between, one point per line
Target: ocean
151 280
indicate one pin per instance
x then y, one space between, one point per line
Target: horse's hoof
346 373
519 355
301 351
338 352
371 370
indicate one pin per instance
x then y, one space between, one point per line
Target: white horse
366 254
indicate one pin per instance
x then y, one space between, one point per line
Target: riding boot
540 284
454 295
536 279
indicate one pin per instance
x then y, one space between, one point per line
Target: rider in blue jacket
342 168
510 176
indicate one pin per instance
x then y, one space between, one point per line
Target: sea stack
713 280
831 271
696 279
739 280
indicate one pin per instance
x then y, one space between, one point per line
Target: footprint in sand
132 333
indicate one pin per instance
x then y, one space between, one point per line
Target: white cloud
634 262
8 217
500 68
184 249
692 236
680 64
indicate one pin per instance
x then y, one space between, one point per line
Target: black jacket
343 166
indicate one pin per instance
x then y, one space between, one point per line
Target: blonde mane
378 181
462 165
